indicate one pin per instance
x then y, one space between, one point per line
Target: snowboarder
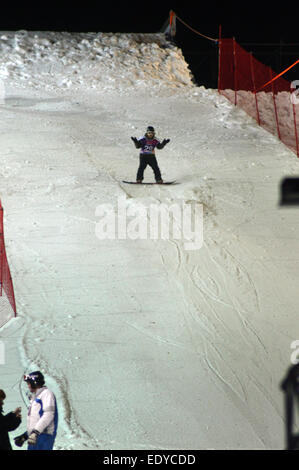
42 416
8 423
147 144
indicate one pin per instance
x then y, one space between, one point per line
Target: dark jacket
8 423
147 146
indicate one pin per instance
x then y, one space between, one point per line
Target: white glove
32 439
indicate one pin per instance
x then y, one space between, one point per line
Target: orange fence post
279 75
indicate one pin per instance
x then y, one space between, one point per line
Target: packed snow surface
147 345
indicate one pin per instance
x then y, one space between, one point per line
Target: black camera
289 191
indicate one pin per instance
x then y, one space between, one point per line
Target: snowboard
165 182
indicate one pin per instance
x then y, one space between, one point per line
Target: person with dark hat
147 144
42 419
8 422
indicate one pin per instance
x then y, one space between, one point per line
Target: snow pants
44 442
148 159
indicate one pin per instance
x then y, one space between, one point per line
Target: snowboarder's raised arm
162 144
136 142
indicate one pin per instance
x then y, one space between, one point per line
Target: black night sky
247 21
262 28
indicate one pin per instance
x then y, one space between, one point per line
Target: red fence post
5 276
235 70
295 120
1 248
219 58
275 107
12 299
254 89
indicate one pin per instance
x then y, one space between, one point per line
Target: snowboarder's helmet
35 379
150 129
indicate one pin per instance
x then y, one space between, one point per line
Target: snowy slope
147 345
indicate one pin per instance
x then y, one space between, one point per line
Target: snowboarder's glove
32 439
163 143
135 141
19 440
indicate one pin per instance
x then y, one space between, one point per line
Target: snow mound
97 60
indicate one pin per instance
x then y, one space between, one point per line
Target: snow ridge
97 60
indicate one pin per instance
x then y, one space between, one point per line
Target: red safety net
248 83
7 297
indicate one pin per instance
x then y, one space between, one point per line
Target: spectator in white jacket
42 416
